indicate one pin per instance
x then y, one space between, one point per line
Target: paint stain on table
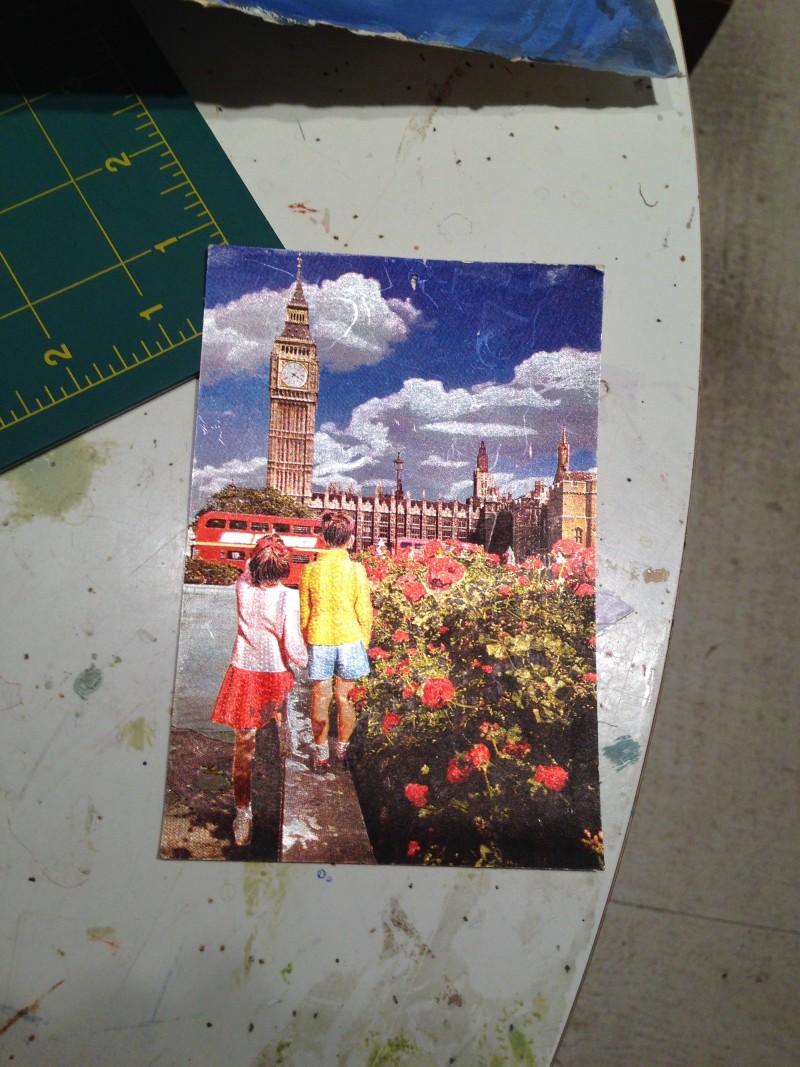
55 484
137 734
87 681
623 752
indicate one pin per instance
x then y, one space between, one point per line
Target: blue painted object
626 36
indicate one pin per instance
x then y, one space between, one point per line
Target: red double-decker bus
230 537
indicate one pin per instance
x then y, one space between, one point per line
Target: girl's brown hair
270 561
337 528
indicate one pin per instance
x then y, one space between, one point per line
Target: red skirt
249 699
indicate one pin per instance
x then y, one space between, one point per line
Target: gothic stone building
529 524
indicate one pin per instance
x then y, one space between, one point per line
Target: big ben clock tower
293 392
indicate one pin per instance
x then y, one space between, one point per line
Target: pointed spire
398 466
298 296
562 467
483 458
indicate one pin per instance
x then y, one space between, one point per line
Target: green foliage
255 502
480 732
204 572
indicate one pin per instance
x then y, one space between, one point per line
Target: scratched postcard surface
387 650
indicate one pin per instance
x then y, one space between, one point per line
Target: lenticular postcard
387 639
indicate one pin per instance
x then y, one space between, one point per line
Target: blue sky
421 357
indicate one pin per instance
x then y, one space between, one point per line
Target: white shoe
243 826
320 758
339 752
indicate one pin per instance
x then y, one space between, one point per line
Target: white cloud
335 459
242 472
520 421
353 325
441 462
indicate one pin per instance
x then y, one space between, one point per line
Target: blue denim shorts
347 661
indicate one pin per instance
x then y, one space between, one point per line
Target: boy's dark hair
270 562
337 528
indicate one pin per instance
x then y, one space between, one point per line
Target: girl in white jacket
259 678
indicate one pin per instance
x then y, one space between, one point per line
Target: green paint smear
272 883
287 970
391 1052
99 933
54 484
87 681
623 752
248 953
137 734
521 1048
281 1048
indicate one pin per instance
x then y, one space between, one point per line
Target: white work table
371 146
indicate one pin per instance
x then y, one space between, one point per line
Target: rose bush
476 740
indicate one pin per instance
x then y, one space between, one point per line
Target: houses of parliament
528 524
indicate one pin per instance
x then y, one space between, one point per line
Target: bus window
282 527
301 559
301 529
259 527
237 524
215 524
236 555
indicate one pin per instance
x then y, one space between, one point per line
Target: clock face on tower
294 375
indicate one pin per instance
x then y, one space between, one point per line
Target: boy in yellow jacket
336 622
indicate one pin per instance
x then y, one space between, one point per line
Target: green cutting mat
111 189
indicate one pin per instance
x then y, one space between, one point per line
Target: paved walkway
322 821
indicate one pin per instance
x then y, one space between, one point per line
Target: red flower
413 848
378 653
414 591
479 755
566 548
401 635
504 590
376 571
552 777
458 770
487 668
453 542
417 794
356 693
390 671
409 691
444 572
523 580
436 692
489 728
593 642
492 559
584 590
516 748
444 629
590 677
433 548
390 720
